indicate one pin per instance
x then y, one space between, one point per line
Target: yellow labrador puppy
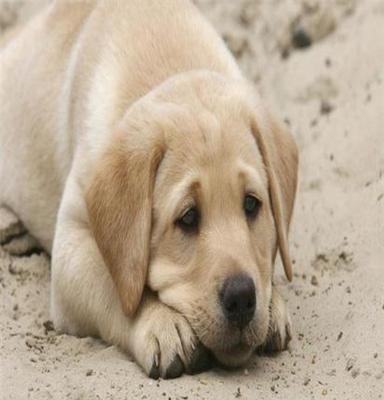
134 150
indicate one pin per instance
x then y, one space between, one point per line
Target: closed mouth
241 347
233 356
235 346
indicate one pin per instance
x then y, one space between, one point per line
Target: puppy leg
84 301
280 326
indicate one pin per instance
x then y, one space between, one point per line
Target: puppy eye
189 221
251 206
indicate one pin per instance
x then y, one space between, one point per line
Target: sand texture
320 65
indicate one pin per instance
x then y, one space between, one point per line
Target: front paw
280 326
165 345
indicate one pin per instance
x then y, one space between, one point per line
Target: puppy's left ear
119 203
280 156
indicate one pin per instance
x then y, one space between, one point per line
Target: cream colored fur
114 117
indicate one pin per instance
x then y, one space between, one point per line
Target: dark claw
201 360
175 369
155 371
274 343
288 338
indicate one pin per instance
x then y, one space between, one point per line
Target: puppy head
193 198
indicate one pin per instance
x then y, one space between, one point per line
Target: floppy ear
279 152
119 203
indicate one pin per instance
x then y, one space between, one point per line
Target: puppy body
75 84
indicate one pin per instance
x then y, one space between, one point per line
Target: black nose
238 299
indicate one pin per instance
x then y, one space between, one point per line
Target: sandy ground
331 93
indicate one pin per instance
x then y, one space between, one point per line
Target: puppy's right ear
119 203
280 156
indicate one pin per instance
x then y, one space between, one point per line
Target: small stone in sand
350 364
300 38
355 372
314 281
48 325
325 107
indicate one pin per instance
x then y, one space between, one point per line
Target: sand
320 65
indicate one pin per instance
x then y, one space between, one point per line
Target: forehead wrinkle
209 127
255 181
219 195
178 195
193 143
